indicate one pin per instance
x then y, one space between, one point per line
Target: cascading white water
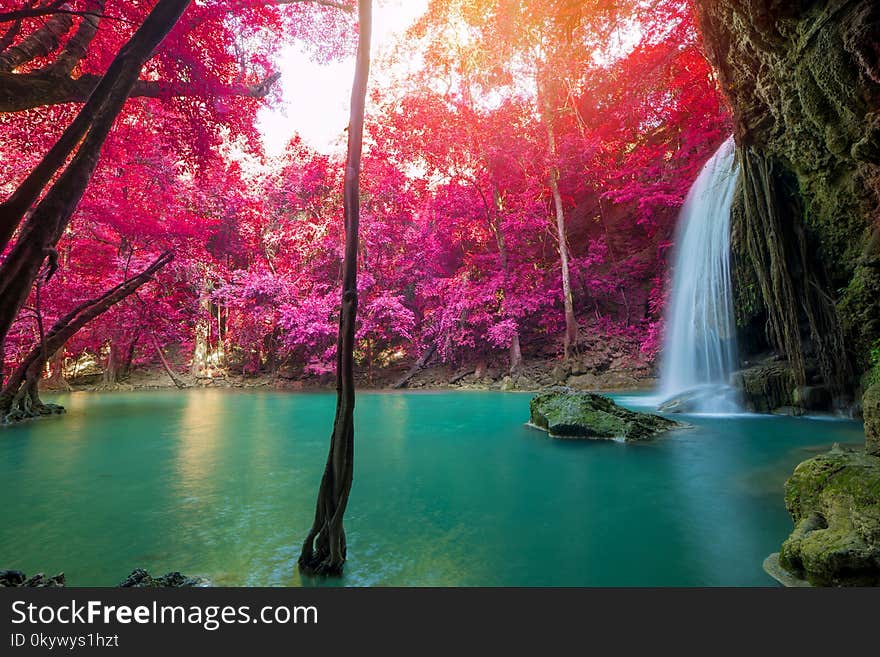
699 352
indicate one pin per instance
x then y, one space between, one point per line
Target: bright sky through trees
315 95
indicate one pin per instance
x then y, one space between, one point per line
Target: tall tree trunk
46 223
515 350
324 549
202 333
129 355
114 364
571 327
56 379
515 354
18 398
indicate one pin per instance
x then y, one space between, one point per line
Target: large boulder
566 413
871 414
767 387
834 501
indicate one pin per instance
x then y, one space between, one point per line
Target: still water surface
451 489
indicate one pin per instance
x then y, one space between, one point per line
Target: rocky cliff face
803 80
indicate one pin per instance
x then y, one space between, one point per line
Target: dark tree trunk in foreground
19 399
85 135
323 551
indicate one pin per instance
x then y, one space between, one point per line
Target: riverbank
533 376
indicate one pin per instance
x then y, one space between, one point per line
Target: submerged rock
16 578
567 413
140 579
9 578
834 501
712 398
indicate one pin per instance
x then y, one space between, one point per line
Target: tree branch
55 9
324 3
38 44
9 36
75 49
23 91
68 325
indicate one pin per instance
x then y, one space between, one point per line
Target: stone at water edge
16 578
141 579
766 387
574 414
781 575
834 501
10 578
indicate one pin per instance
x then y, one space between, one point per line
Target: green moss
767 387
872 375
871 411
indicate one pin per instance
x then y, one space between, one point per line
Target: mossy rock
567 413
871 413
834 501
766 387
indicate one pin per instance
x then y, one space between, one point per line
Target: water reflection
200 435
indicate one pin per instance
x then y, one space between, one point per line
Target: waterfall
699 351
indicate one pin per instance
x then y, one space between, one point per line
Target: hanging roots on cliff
793 285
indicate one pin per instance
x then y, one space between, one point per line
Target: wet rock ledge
573 414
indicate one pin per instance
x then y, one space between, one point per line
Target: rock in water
16 578
834 501
766 387
712 398
141 579
10 578
567 413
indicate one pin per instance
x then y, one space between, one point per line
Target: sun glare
315 96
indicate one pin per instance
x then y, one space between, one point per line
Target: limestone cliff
803 81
